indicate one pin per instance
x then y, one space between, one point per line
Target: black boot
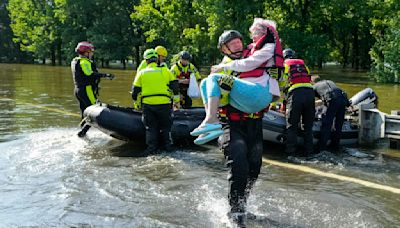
237 215
166 140
83 131
150 150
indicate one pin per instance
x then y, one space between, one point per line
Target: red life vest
277 57
298 72
184 75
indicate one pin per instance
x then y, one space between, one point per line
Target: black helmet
288 53
185 55
227 36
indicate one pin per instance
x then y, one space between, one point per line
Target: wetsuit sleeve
87 69
174 86
252 62
137 86
135 91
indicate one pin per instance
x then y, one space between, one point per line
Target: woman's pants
245 96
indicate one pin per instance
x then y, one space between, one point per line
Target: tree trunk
320 62
53 55
345 52
304 5
356 50
137 55
123 64
59 52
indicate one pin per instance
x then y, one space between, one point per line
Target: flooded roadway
51 178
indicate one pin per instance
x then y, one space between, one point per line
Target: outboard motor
366 96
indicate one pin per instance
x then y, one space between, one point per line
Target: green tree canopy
358 34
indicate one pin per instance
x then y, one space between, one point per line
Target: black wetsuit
244 158
336 101
300 106
158 121
86 87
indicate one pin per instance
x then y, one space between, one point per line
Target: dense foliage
361 34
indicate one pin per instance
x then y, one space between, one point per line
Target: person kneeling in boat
336 101
250 93
86 79
152 88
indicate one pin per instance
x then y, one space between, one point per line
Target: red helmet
83 47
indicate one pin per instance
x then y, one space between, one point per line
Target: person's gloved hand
226 82
137 105
109 76
274 73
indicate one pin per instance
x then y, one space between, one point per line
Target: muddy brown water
51 178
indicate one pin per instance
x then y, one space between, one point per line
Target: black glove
226 82
109 76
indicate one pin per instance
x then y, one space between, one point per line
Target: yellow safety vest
177 69
154 82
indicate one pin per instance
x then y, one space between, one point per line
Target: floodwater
51 178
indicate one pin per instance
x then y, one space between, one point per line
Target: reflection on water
50 177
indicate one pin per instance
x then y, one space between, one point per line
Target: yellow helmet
161 51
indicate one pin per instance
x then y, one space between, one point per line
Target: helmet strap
233 55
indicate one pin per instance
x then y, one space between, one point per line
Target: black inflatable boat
126 123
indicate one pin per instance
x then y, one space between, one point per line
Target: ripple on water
51 177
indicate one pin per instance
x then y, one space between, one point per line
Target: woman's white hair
261 25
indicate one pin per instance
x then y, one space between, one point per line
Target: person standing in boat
152 89
336 101
86 79
300 103
182 71
244 143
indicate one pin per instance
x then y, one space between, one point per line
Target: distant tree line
361 34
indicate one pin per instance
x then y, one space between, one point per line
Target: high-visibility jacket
154 83
143 65
183 72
